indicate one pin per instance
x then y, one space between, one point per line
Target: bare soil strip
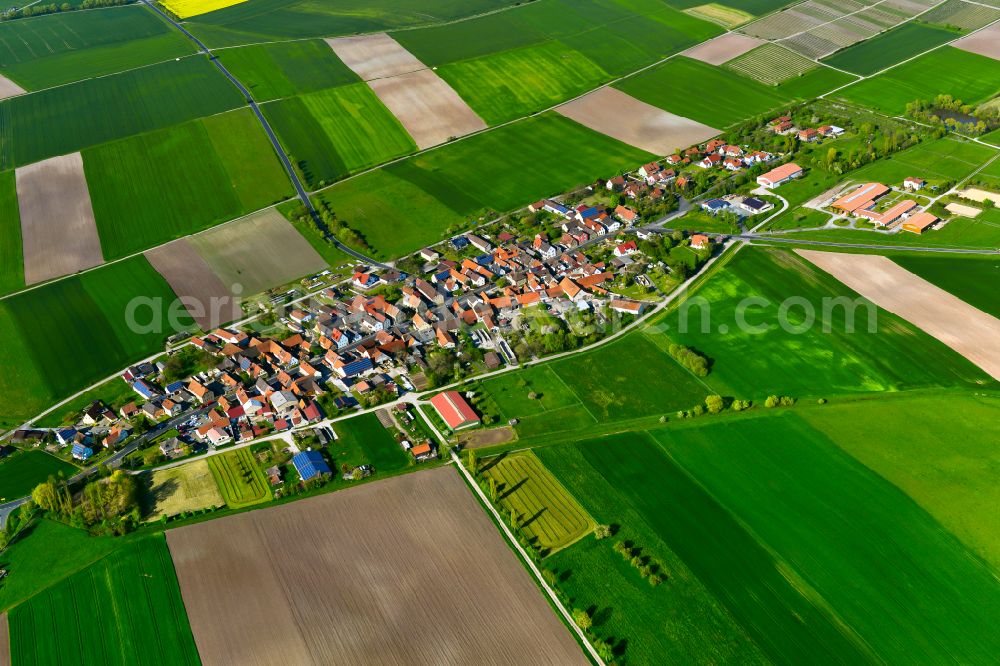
375 56
724 48
258 252
480 438
4 641
968 330
429 109
57 220
407 570
616 114
9 89
207 298
985 42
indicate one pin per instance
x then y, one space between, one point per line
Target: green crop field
941 450
65 119
966 76
679 85
946 159
125 609
240 480
889 48
114 393
65 335
815 82
11 261
874 565
284 69
248 22
334 132
198 174
549 515
754 355
959 232
20 472
59 48
363 441
382 207
522 81
973 280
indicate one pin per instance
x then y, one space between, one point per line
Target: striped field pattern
547 512
771 64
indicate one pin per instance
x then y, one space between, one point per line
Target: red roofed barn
454 410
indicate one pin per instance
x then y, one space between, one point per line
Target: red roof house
454 410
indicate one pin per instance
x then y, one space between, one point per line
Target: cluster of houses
718 154
863 201
784 125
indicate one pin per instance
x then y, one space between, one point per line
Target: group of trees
779 401
648 568
329 225
106 505
954 114
39 10
690 359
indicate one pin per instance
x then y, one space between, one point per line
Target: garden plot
331 579
429 109
623 117
207 298
258 252
57 220
8 88
723 48
969 331
375 56
985 42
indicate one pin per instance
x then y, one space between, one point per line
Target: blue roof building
459 242
310 464
82 452
715 205
357 367
144 389
175 387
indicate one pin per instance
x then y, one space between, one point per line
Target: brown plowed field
612 112
258 252
429 109
207 298
986 42
723 49
375 56
968 330
407 570
9 89
4 641
57 220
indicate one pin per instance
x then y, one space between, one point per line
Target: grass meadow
114 393
11 259
549 516
188 487
200 173
72 117
877 569
959 232
363 441
802 360
285 69
59 48
946 159
332 133
516 83
65 335
889 48
124 609
679 86
21 472
973 280
239 478
939 449
947 70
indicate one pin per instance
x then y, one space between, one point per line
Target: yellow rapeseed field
188 8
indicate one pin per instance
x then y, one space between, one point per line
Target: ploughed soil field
375 56
405 570
4 641
724 48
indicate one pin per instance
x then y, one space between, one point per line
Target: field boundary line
575 394
512 541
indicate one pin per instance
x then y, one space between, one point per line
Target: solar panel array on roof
310 464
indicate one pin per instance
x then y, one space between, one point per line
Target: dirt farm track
401 571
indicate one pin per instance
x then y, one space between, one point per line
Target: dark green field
679 86
759 357
11 261
363 441
68 334
896 45
966 76
198 174
65 119
284 69
60 48
332 133
124 609
973 280
22 471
